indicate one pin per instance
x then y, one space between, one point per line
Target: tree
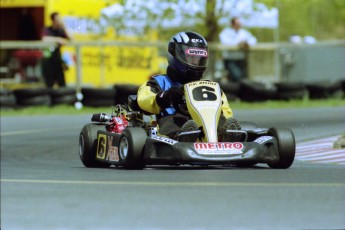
166 17
323 19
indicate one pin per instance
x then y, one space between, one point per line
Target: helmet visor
192 56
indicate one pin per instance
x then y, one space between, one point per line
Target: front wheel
88 145
131 148
286 147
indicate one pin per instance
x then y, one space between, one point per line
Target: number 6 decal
204 93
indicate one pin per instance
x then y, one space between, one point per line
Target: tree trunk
211 35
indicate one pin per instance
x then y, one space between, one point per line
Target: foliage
167 17
322 19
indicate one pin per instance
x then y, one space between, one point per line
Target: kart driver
161 92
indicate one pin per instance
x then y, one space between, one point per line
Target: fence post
102 66
79 73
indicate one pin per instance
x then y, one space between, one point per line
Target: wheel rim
123 147
81 146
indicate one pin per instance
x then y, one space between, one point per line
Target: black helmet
188 56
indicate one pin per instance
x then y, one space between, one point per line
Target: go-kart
130 138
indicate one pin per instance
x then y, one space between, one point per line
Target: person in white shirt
235 61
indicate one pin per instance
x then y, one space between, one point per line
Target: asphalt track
45 186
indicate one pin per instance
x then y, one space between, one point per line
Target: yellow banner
23 3
100 67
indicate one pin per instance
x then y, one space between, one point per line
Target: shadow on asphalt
189 167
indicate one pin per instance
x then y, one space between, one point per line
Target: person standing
53 65
235 61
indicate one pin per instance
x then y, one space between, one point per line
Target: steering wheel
181 108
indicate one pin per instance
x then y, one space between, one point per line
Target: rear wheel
131 148
88 146
286 147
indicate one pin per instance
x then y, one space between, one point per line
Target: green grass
53 110
68 109
305 103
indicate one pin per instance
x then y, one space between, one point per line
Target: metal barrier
267 61
323 61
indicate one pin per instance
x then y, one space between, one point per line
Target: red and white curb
320 151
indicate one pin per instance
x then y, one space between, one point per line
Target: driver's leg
229 124
172 125
190 125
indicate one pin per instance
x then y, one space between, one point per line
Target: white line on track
184 184
20 132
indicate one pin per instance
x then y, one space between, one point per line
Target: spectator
235 61
53 67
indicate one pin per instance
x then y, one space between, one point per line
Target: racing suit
169 121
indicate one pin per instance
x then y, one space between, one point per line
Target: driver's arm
226 110
147 97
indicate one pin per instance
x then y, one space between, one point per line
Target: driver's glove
170 97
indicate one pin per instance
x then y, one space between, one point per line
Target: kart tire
30 92
324 90
98 93
286 147
88 146
342 82
252 91
98 97
232 88
231 97
62 91
131 148
5 92
295 95
98 102
63 95
291 90
41 100
7 101
66 100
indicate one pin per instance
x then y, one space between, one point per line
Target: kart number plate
223 148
